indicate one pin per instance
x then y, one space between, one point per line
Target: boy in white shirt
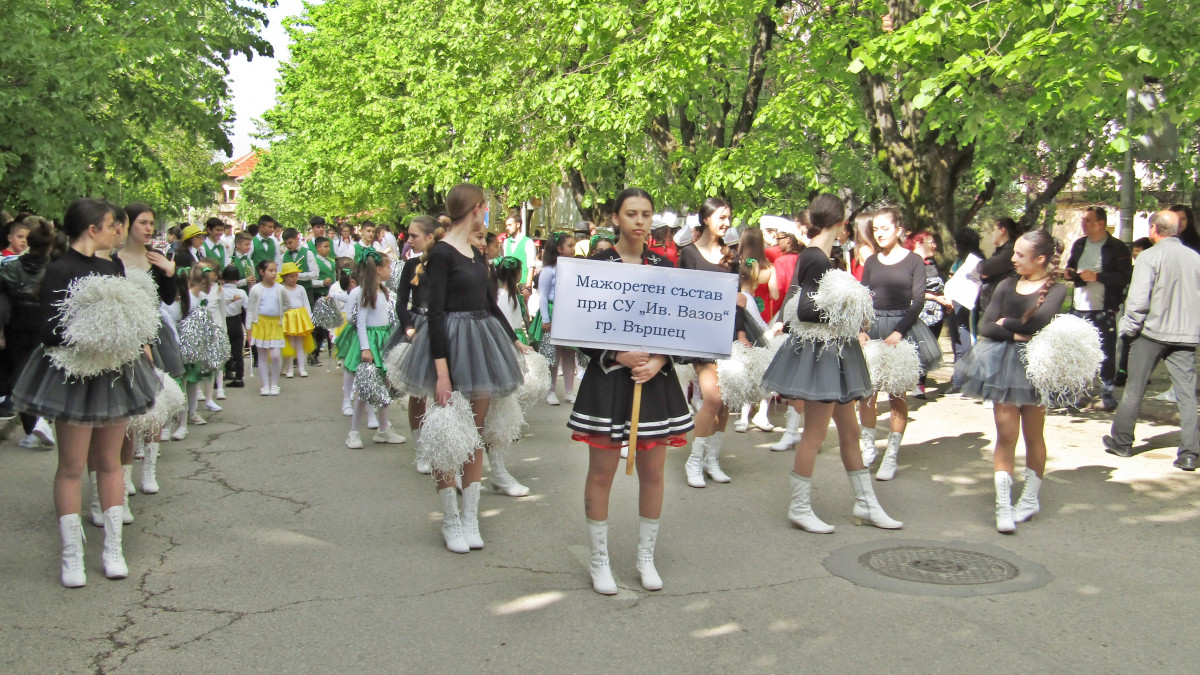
235 313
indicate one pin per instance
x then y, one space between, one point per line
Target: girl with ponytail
994 370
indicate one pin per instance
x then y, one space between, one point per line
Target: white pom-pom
845 304
740 376
894 370
1063 358
504 422
146 282
169 403
537 381
105 321
391 363
685 373
448 435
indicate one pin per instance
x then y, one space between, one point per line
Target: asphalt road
273 548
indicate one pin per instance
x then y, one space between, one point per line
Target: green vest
244 265
216 254
300 257
263 249
324 271
521 247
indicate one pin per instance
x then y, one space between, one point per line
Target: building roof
242 166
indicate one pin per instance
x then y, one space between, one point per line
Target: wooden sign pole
635 415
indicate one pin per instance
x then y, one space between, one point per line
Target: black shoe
1186 461
1111 447
236 384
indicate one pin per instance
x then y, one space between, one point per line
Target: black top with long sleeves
899 286
70 266
1010 305
408 295
456 283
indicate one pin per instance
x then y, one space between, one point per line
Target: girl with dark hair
465 347
601 415
864 244
994 370
559 244
958 317
707 252
1188 226
999 266
90 413
896 278
827 378
756 278
933 313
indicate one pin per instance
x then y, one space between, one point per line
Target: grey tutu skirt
46 391
166 352
483 361
818 371
928 349
995 371
398 335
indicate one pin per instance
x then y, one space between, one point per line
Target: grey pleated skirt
818 371
166 352
483 361
47 391
926 342
398 335
995 371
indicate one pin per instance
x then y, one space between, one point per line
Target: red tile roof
243 165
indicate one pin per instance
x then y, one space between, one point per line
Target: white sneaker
219 395
372 420
303 373
289 374
275 391
741 426
354 441
1168 395
197 420
180 434
265 391
29 441
200 395
166 434
347 410
44 433
570 397
388 436
551 399
212 406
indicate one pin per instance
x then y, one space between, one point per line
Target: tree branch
765 29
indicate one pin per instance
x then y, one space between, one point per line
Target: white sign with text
604 305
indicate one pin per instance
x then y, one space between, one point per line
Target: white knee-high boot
452 530
501 479
94 510
150 469
70 528
868 446
866 506
887 467
1027 506
790 431
695 462
1004 510
113 555
602 578
470 517
800 511
647 536
761 420
712 454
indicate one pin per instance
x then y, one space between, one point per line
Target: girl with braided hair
994 370
560 244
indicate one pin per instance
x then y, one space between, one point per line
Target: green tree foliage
116 97
386 103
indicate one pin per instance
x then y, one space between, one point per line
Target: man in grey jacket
1162 317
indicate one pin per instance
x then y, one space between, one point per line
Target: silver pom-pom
393 282
1063 358
169 403
105 321
448 435
537 381
740 375
504 422
370 386
391 363
844 303
685 373
894 370
326 315
202 341
145 281
548 352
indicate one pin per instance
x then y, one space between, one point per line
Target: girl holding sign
465 347
828 376
707 253
602 413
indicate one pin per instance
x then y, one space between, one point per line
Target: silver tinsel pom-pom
1063 358
844 303
448 435
393 282
537 381
146 282
169 403
548 352
894 370
685 373
391 363
325 314
202 341
370 386
504 422
740 375
105 321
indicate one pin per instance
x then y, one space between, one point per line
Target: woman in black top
827 378
601 413
708 253
999 266
896 278
22 319
994 370
90 412
466 346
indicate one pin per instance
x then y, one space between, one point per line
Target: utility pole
1127 177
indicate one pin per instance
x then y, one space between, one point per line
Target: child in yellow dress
297 321
264 310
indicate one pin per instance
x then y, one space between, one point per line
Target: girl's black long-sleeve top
456 283
899 286
408 295
1010 305
60 273
810 267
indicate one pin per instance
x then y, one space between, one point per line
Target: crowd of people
468 306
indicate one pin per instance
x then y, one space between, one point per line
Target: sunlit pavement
273 548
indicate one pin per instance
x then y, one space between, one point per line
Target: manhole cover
919 567
939 565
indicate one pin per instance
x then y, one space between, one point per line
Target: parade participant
756 279
896 278
297 319
303 258
196 298
326 275
994 370
466 348
601 415
18 231
864 244
234 307
214 386
343 245
367 337
828 377
519 246
316 230
560 244
214 247
707 252
242 261
933 312
999 266
508 296
366 238
265 248
264 307
91 413
191 247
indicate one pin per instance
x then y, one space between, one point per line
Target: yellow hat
289 268
191 231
